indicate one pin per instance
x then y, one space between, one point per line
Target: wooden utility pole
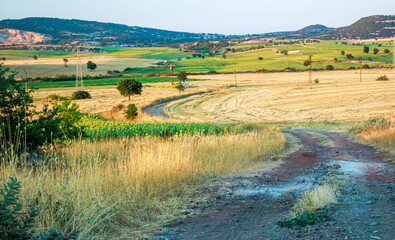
360 69
310 73
172 70
235 78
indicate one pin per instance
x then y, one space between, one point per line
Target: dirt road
247 206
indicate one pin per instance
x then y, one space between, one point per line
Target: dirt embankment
247 206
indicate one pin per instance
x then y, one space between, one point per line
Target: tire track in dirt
252 203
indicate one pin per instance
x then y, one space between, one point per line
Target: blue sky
213 16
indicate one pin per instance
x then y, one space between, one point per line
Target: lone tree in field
128 87
223 55
182 76
260 58
366 49
342 52
65 60
349 56
375 50
91 65
35 57
385 51
306 63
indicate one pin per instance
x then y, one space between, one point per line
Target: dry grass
130 188
316 199
378 132
294 102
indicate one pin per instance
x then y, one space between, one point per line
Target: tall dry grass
378 132
130 188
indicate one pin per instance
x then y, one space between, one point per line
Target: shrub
349 56
131 112
329 67
366 49
316 80
383 78
53 97
375 50
80 95
17 225
365 66
128 69
180 87
386 51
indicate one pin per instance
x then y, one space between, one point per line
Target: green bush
329 67
365 66
316 80
17 225
180 87
383 78
131 112
80 95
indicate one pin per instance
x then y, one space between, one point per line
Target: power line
78 75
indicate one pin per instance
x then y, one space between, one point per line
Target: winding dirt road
249 205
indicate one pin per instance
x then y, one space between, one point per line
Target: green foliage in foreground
304 220
17 225
97 128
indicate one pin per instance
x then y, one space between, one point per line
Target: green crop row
96 128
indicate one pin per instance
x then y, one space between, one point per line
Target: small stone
373 224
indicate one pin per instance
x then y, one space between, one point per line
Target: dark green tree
366 49
131 112
342 52
128 87
91 65
35 57
182 76
385 51
65 60
349 56
306 63
329 67
260 58
3 58
375 50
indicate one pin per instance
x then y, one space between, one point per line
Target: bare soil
248 205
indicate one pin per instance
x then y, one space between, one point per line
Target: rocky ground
248 206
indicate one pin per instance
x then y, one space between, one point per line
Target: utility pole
172 69
235 78
393 56
310 73
78 75
360 69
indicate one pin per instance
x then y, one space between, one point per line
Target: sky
208 16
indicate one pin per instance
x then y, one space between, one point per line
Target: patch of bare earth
247 206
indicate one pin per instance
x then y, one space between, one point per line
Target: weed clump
383 78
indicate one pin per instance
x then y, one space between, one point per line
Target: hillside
63 31
378 26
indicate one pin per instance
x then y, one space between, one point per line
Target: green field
146 59
96 82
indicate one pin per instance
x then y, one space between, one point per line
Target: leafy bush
365 66
131 112
329 67
80 95
316 80
16 225
383 78
182 76
386 51
180 87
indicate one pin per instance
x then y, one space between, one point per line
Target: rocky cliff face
13 36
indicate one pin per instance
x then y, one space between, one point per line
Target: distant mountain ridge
69 30
74 31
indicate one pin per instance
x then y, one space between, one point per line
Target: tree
306 63
3 58
260 58
342 52
91 65
375 50
65 60
180 87
349 56
128 87
182 76
329 67
285 52
366 49
131 112
385 51
223 55
35 57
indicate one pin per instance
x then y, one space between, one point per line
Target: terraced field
346 100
